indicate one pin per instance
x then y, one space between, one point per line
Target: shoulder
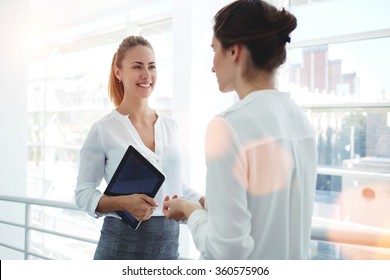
105 122
109 118
220 136
167 121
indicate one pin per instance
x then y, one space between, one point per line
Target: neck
135 109
249 78
245 87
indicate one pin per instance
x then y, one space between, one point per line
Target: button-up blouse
104 147
261 177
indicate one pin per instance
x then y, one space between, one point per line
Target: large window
338 70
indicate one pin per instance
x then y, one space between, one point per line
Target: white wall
13 88
13 117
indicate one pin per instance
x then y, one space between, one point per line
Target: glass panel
60 248
330 18
333 251
68 222
330 73
341 73
353 137
354 165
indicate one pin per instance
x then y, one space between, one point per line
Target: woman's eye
152 67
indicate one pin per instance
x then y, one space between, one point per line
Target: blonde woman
132 80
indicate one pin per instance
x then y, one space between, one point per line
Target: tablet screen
135 174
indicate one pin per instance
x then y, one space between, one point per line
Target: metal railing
328 230
28 227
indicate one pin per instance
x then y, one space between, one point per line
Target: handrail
28 201
344 106
336 231
39 202
349 172
328 230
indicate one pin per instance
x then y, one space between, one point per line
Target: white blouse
104 147
261 176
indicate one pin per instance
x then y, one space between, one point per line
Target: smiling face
222 66
138 72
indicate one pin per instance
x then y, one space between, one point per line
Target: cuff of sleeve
94 205
193 196
199 216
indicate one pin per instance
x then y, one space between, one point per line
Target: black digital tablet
134 175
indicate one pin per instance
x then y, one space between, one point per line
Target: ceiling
52 15
66 26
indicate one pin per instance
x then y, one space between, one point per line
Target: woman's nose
146 73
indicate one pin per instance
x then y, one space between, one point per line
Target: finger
166 198
165 212
150 200
148 215
175 196
166 209
167 204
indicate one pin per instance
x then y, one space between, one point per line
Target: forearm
110 204
190 207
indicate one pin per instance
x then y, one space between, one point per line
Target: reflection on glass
341 73
353 138
353 184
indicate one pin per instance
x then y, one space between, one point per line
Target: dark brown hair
115 87
260 27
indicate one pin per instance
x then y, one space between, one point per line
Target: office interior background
55 59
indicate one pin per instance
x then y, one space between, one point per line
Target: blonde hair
115 87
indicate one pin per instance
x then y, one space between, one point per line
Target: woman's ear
235 51
117 72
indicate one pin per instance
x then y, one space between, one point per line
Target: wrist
190 208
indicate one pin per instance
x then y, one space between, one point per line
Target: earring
119 81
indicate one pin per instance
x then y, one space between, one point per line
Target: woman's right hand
140 206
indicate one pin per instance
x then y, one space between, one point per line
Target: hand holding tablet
134 175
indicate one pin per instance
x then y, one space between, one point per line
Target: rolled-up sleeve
190 193
91 172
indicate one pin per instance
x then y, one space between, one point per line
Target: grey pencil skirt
155 239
